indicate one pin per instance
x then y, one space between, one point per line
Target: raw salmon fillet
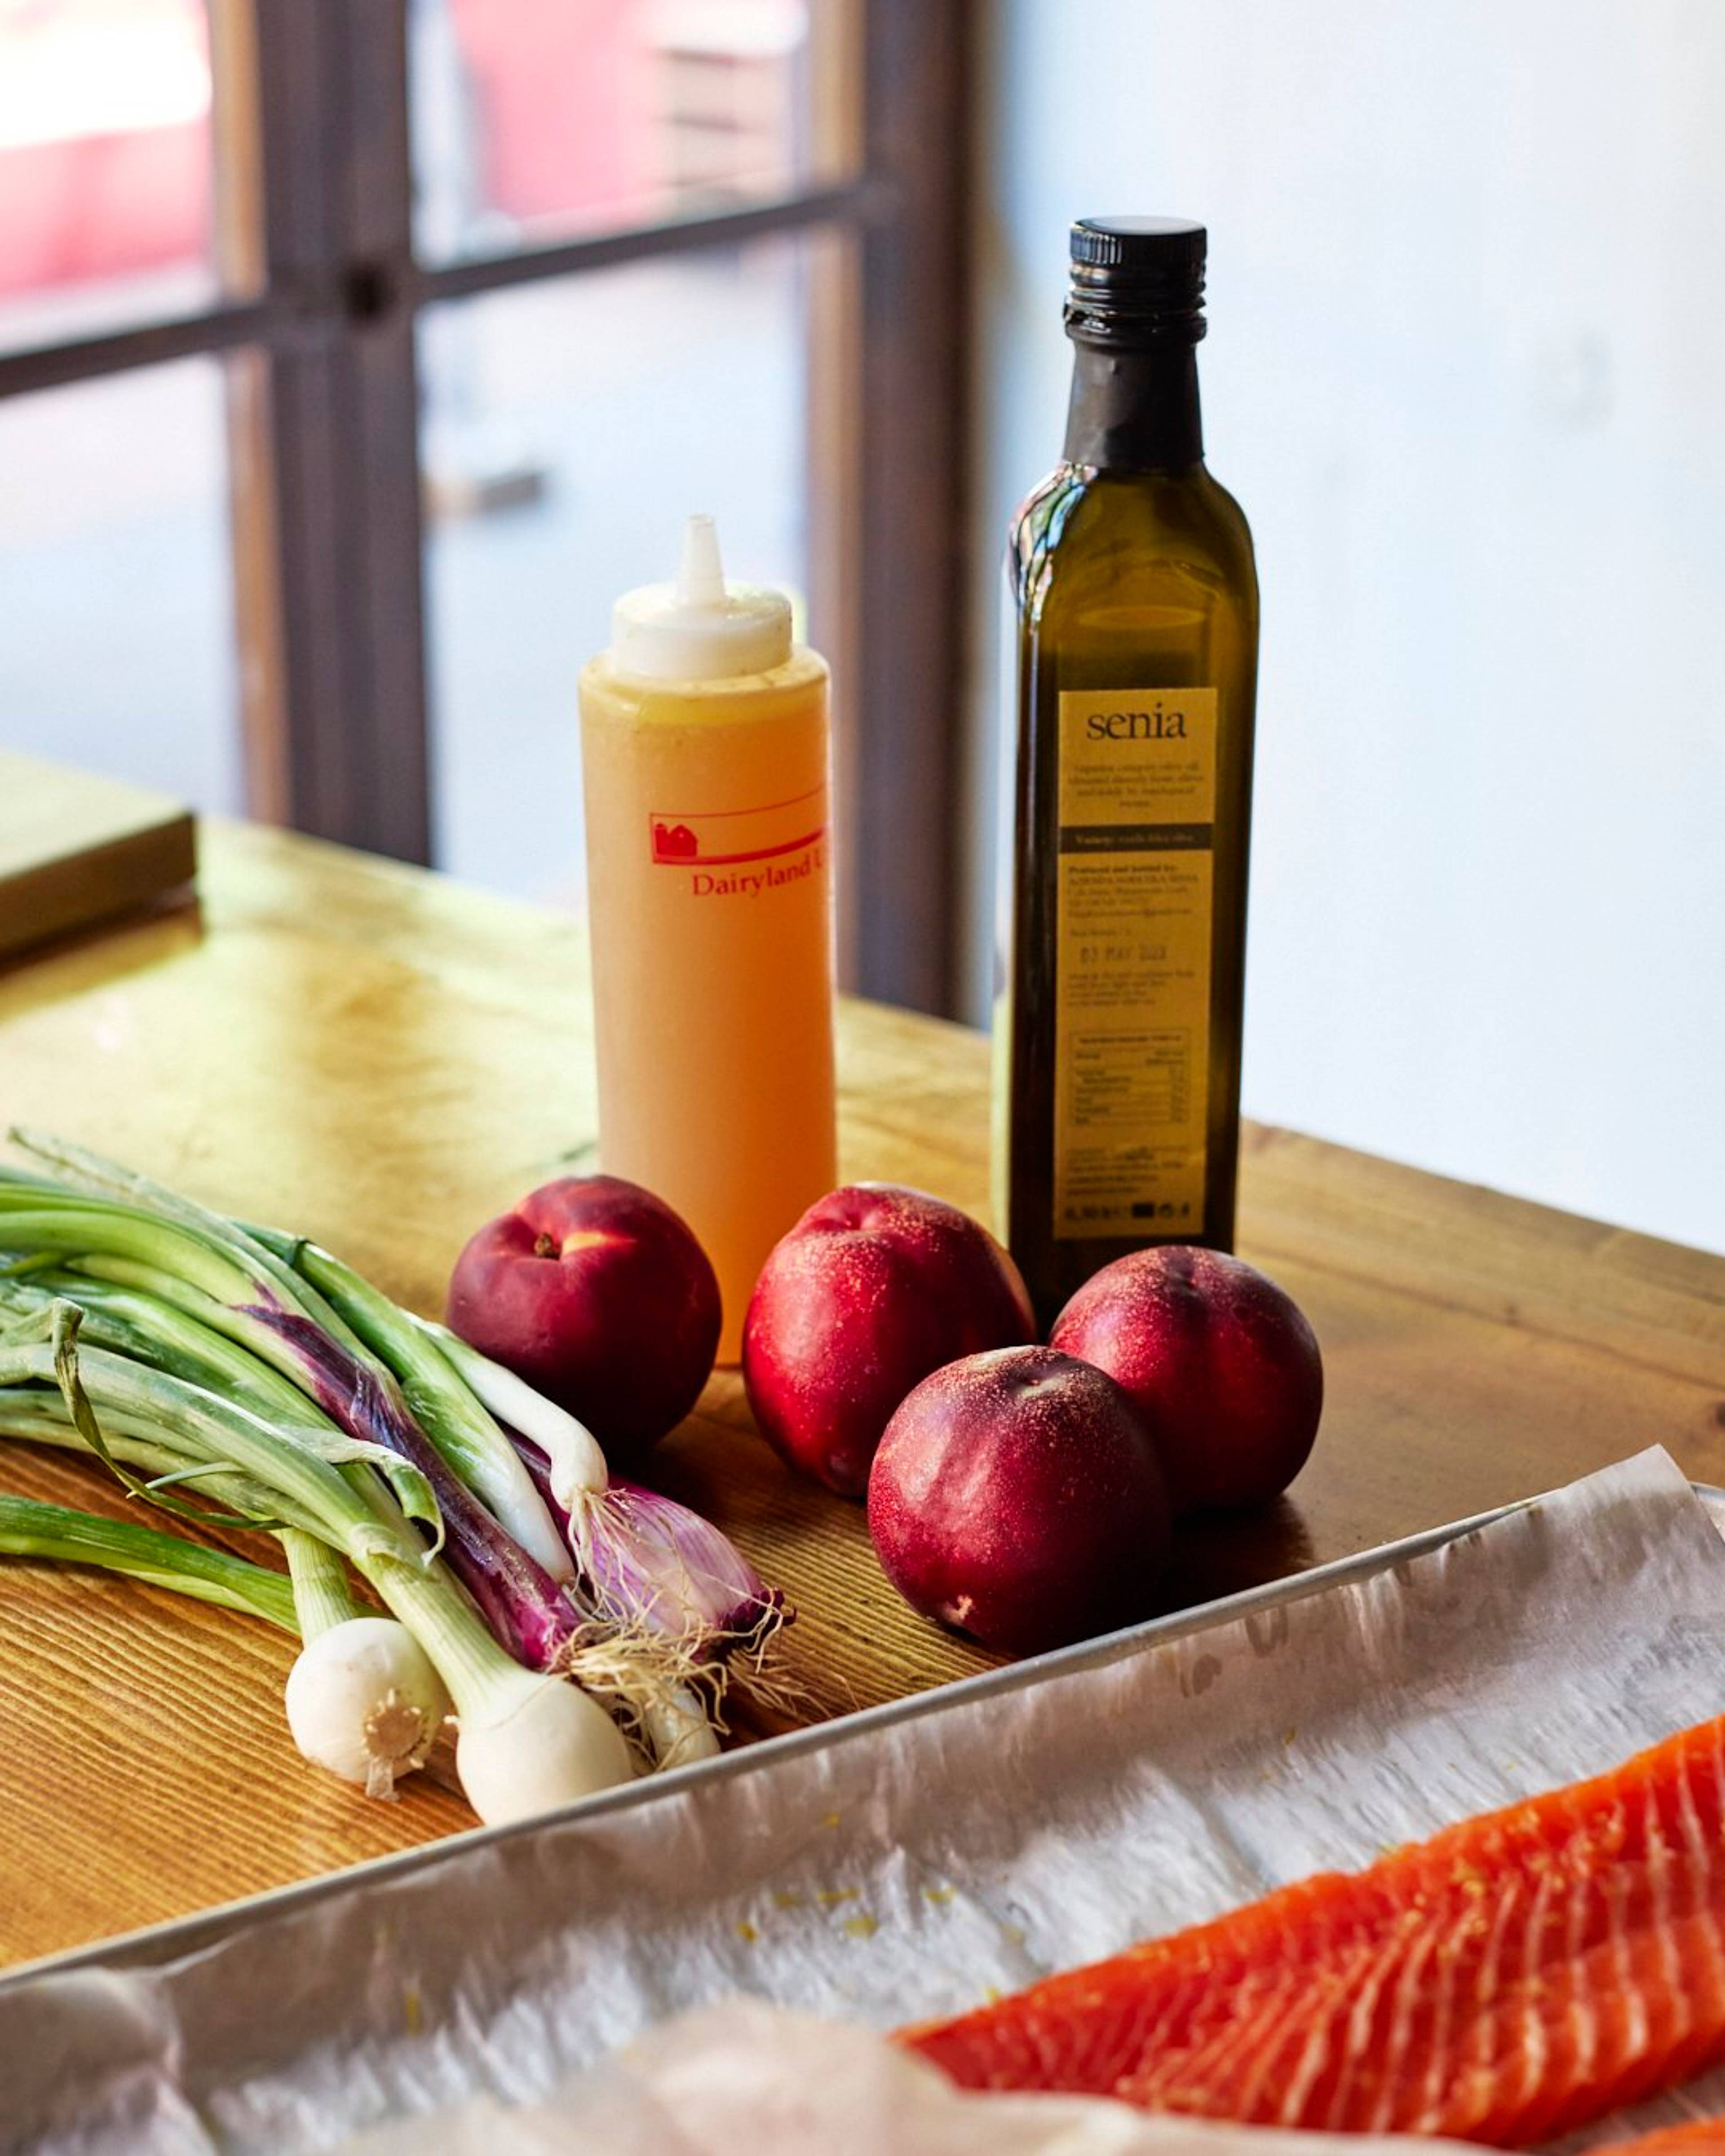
1518 1975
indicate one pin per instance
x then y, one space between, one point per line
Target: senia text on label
1136 725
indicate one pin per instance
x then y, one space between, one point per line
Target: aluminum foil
903 1863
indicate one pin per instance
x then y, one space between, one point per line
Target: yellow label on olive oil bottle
1137 806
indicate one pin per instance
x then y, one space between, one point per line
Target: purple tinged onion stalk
519 1599
651 1561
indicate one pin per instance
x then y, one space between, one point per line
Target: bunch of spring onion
191 1353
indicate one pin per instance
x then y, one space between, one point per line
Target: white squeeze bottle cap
699 628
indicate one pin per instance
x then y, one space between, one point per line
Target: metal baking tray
241 1993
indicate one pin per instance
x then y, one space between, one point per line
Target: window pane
116 594
104 165
549 118
570 428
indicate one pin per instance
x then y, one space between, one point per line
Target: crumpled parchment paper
747 2077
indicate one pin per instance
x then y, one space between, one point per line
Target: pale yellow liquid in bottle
709 891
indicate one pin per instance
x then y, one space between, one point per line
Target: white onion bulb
678 1730
364 1701
535 1746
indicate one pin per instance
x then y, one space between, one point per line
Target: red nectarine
1016 1497
874 1287
596 1293
1218 1359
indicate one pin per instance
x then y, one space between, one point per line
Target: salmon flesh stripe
1695 2137
1518 1976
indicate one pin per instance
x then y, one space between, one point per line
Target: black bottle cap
1137 280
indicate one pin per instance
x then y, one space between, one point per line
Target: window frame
314 236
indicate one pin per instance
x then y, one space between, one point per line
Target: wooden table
384 1060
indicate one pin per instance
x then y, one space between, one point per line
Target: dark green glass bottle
1133 619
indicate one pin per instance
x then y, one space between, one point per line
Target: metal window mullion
849 203
321 685
393 765
907 693
145 344
344 730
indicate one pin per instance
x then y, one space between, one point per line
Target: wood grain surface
384 1060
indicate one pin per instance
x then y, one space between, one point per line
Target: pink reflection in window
105 142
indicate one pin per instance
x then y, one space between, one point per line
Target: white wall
1466 374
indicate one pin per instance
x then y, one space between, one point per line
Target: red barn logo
674 842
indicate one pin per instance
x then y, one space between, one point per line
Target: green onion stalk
363 1698
528 1741
61 1535
211 1272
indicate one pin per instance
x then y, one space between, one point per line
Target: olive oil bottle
1132 611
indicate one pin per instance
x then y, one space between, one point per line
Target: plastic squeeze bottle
705 752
